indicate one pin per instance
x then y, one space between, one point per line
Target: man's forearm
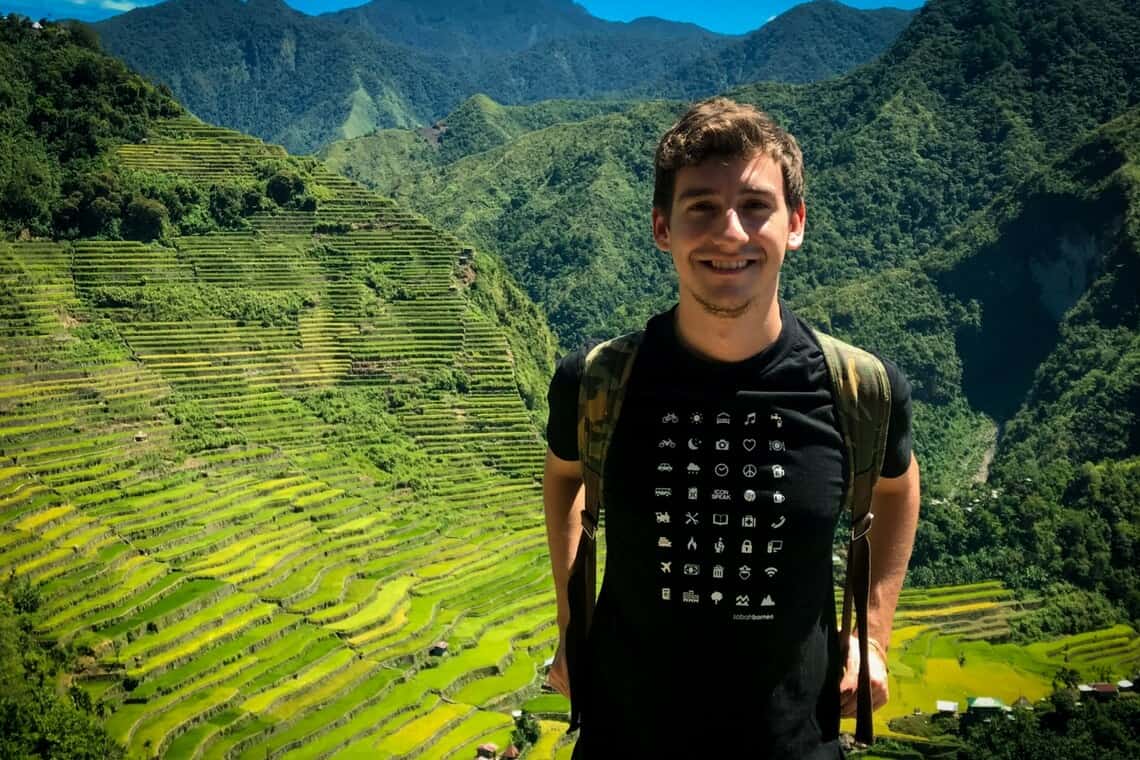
563 499
895 504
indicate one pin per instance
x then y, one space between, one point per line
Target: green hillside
972 98
968 215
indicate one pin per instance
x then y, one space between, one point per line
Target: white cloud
116 5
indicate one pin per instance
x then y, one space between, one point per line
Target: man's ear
661 229
797 221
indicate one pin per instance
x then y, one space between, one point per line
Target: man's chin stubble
721 311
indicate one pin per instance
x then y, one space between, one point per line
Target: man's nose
733 228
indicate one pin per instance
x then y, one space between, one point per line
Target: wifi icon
770 571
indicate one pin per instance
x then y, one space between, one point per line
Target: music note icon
750 419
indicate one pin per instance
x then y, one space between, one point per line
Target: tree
145 220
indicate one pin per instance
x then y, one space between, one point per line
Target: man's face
727 232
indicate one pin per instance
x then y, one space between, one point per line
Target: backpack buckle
590 529
862 527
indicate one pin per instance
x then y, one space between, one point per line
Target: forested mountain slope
965 216
971 99
304 81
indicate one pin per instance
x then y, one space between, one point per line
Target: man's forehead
759 173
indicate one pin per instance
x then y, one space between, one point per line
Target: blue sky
727 16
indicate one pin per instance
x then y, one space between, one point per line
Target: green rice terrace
257 516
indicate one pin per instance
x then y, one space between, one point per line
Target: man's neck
728 339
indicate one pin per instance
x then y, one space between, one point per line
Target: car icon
664 467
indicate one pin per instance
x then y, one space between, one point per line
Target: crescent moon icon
694 444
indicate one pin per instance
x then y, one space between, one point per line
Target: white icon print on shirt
750 470
718 547
721 444
767 602
775 545
749 495
742 600
777 498
670 417
666 594
696 418
777 471
723 419
775 445
692 518
664 542
748 521
721 494
667 443
694 444
721 469
746 546
691 569
745 572
667 567
779 523
720 518
664 467
692 545
663 492
750 419
691 597
663 517
748 443
718 571
716 596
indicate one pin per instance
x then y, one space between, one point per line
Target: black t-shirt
715 625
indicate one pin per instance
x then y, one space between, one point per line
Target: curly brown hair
722 128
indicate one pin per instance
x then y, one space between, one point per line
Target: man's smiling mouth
728 266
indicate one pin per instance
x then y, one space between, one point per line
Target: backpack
862 395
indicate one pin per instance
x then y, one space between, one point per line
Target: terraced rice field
231 547
277 594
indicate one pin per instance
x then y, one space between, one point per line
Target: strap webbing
600 395
863 402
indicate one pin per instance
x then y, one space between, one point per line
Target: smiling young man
715 629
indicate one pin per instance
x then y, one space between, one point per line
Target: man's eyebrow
698 192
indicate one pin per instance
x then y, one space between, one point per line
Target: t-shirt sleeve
562 398
900 437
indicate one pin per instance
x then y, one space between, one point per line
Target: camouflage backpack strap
863 406
600 396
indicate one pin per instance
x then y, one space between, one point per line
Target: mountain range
971 213
302 81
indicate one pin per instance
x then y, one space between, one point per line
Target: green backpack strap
863 405
600 395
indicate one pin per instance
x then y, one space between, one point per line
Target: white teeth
728 265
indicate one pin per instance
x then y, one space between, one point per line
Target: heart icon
749 444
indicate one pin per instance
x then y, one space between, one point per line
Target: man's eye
701 207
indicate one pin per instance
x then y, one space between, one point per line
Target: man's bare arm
895 504
563 499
